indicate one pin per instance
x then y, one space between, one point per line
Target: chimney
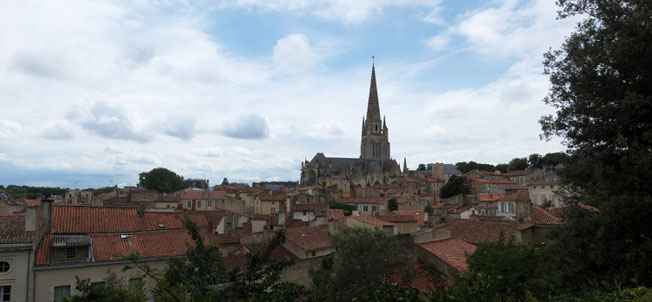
332 227
31 218
246 228
141 210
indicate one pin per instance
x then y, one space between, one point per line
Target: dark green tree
555 158
456 185
161 180
421 167
600 86
347 208
535 161
113 289
502 168
428 209
517 164
364 261
392 204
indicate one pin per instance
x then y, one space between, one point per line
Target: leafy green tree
468 166
113 289
348 208
364 260
161 180
428 209
600 86
535 161
555 158
456 185
392 204
421 167
503 168
517 164
505 271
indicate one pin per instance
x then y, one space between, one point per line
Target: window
4 266
210 203
313 253
189 204
374 208
304 213
98 284
135 284
305 223
273 210
5 293
365 208
61 293
199 204
70 253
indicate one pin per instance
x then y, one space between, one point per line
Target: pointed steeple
373 110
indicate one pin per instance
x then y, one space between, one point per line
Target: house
403 224
308 242
543 188
271 202
203 200
476 231
86 242
466 211
521 177
17 237
310 214
419 216
448 255
516 205
368 206
360 221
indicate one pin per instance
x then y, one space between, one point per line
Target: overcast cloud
94 92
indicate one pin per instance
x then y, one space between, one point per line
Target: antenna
373 59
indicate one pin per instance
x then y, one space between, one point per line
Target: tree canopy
455 186
162 180
600 86
364 260
392 204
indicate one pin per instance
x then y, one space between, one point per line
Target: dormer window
70 248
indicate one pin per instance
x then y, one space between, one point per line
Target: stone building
374 166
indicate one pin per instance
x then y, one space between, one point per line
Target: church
374 166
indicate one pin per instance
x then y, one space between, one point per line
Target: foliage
421 167
100 191
18 192
535 161
554 158
364 260
504 271
428 209
503 168
348 208
392 204
113 289
517 164
390 292
456 185
468 166
600 86
161 180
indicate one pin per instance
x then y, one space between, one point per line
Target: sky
94 92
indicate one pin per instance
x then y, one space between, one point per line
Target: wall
19 273
47 279
299 273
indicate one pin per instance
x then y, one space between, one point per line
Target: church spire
373 110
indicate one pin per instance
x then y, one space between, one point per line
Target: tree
600 86
364 260
428 209
535 161
113 289
517 164
392 205
161 180
225 182
455 186
555 158
421 167
502 168
347 208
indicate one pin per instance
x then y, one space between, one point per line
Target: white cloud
9 129
293 53
58 130
345 11
439 41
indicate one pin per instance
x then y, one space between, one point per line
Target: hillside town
46 243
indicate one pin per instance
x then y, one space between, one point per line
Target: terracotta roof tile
378 200
420 216
110 247
450 250
12 230
202 195
337 215
309 238
165 243
397 218
422 281
42 253
371 220
88 220
489 197
476 231
543 216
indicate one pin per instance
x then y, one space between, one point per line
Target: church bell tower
375 139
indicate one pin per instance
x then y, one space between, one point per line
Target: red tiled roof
444 206
318 208
516 197
12 230
518 173
543 216
87 220
336 214
489 197
371 220
397 218
42 253
378 200
466 208
165 243
309 238
494 181
476 231
450 250
202 195
213 218
110 247
420 216
272 197
422 281
167 197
